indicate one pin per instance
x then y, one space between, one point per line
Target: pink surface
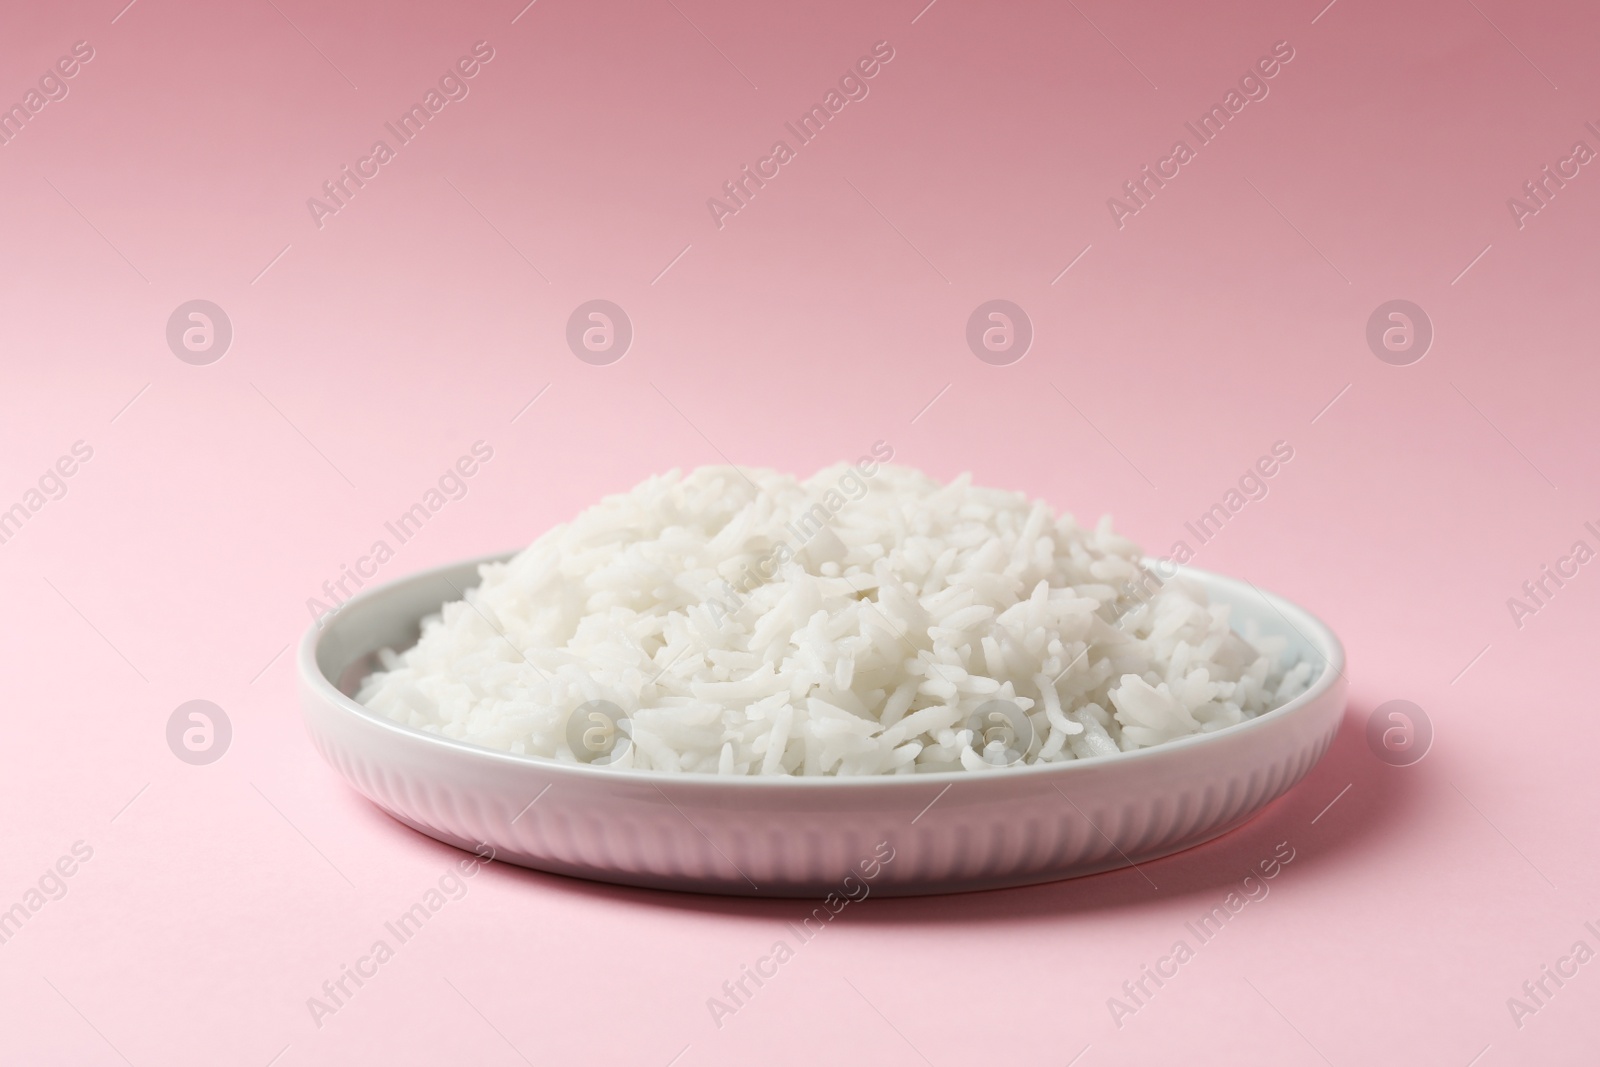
1227 314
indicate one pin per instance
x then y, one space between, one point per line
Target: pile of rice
896 608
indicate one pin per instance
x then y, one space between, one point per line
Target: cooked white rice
868 652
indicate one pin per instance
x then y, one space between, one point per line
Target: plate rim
1311 628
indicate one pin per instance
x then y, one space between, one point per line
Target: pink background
826 315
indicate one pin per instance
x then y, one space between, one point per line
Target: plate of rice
736 681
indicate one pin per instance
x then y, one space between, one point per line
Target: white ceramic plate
802 837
